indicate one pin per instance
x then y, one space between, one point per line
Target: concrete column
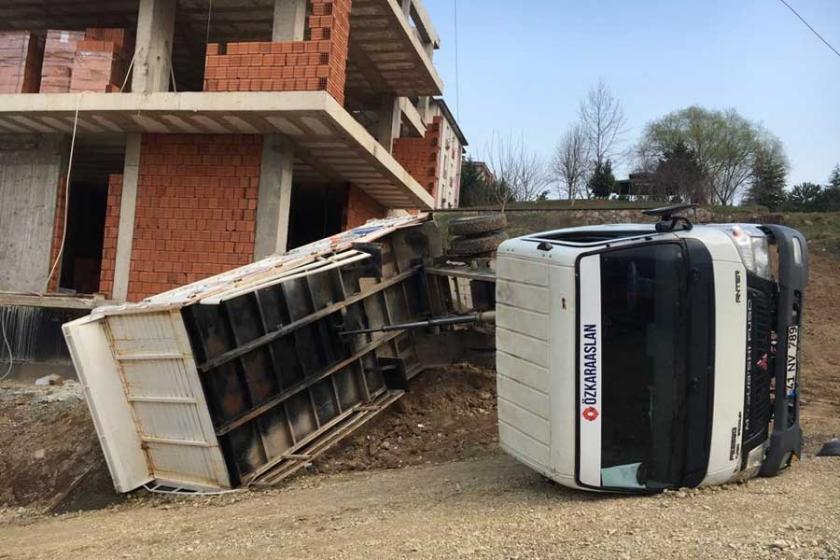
289 20
153 50
390 118
128 207
275 197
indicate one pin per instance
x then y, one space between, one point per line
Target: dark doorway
317 212
81 263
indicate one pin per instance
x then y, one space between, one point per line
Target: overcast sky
525 65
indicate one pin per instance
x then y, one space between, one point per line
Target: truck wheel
469 246
477 225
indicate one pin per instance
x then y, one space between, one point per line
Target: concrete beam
128 208
153 49
289 20
388 127
413 118
275 197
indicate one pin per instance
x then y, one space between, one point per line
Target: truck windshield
644 292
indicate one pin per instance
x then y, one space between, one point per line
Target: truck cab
639 358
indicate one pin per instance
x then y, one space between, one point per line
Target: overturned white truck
630 358
637 358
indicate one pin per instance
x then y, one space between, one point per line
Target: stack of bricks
20 62
420 156
196 209
110 234
59 54
101 60
361 208
318 63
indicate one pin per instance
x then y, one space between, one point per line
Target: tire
478 225
469 246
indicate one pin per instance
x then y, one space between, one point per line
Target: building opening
81 261
317 212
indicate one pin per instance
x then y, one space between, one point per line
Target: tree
724 145
474 190
678 176
602 122
805 197
834 178
570 163
831 193
770 167
520 175
602 181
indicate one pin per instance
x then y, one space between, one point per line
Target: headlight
754 249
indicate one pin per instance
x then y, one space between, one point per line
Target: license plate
792 362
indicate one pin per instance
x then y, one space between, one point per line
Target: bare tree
520 174
571 162
603 123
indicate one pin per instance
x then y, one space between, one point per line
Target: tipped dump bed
243 378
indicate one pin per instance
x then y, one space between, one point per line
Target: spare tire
477 225
470 246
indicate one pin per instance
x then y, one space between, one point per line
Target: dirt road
484 508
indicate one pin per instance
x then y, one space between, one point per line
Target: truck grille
760 359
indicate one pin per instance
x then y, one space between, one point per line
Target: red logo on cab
590 413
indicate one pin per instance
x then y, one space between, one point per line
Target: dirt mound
821 352
50 458
447 415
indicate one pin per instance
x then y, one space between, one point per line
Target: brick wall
109 241
196 209
58 231
318 63
419 156
361 208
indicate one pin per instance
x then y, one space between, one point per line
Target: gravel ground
490 507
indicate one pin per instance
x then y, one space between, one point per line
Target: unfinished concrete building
165 141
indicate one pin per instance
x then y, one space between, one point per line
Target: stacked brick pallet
101 60
59 53
419 156
196 209
20 62
316 64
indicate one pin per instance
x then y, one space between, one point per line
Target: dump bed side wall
92 356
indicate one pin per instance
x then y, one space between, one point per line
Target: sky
523 67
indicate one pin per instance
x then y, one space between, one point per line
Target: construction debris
52 379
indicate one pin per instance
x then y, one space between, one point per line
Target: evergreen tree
678 176
806 197
474 190
831 193
767 187
602 181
